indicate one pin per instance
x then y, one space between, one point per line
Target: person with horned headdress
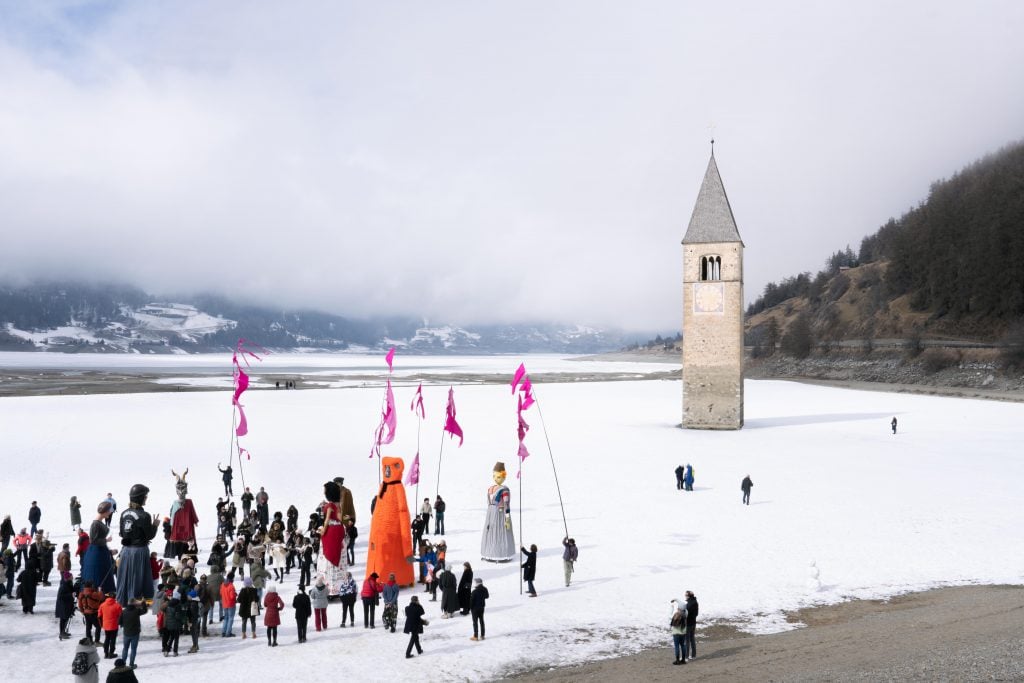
137 528
183 516
498 543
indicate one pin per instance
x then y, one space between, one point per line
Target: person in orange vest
109 615
228 597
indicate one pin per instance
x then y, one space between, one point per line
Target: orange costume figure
390 533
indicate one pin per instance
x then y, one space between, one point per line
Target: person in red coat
83 545
273 604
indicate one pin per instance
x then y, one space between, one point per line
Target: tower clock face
708 297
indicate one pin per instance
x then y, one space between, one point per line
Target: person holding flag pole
521 383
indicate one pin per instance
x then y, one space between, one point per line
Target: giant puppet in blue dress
498 544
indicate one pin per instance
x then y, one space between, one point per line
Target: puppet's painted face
182 488
499 478
392 469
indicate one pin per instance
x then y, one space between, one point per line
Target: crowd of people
253 553
194 597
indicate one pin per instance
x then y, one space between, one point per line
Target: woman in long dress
98 565
333 560
498 544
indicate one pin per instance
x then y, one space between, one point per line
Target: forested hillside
950 268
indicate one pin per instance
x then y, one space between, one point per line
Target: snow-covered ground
937 504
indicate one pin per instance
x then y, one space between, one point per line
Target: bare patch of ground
970 633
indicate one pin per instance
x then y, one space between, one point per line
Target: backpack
80 664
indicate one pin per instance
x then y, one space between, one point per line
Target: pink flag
523 429
241 384
389 419
243 425
247 455
526 390
240 348
450 425
520 372
413 477
390 358
417 402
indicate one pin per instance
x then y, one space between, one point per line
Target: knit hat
272 588
247 581
478 581
118 663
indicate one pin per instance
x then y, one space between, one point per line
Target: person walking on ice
894 424
745 487
414 623
569 557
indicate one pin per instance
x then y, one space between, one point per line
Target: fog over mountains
77 318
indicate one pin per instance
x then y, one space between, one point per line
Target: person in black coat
691 622
303 609
465 588
27 580
679 477
65 607
745 486
530 568
414 623
121 673
478 601
226 476
34 516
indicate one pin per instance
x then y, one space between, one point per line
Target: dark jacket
136 527
691 613
131 619
176 616
302 607
414 618
28 578
746 485
449 593
122 674
35 514
248 602
465 588
530 566
478 598
65 608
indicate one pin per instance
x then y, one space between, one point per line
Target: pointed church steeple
712 219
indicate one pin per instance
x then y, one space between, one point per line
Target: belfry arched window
710 267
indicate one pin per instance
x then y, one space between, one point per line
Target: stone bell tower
712 311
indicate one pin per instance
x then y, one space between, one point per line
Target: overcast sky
478 161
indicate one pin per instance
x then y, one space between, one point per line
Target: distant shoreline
961 633
660 356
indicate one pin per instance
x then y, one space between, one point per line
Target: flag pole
438 485
551 454
241 471
521 542
419 426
